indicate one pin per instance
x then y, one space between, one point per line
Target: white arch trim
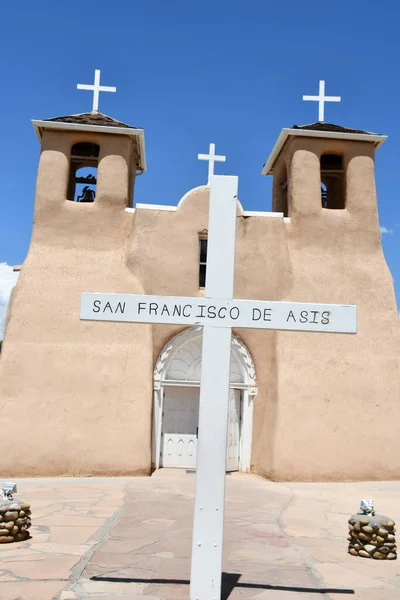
181 201
179 364
202 187
188 193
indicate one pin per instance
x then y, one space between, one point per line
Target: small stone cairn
15 517
371 535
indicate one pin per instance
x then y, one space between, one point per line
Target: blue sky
191 73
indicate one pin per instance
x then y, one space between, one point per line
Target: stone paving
121 538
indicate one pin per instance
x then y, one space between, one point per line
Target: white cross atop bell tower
321 99
96 88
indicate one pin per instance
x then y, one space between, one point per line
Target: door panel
233 437
180 427
179 430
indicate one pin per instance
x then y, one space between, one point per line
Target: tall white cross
218 313
212 159
321 99
96 88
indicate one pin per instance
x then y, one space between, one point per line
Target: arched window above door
180 360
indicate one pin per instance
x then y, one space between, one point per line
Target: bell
87 195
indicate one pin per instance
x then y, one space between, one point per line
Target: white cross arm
252 314
214 157
325 98
102 88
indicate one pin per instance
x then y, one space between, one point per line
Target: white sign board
252 314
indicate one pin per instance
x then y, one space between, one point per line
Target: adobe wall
319 395
338 395
75 396
327 405
169 242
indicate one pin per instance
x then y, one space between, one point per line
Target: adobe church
106 398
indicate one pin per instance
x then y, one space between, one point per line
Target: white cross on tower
321 99
218 313
212 158
96 88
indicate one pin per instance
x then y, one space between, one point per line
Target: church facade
89 398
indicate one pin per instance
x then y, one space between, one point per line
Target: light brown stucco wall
82 391
327 405
338 409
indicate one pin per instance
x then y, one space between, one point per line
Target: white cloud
7 281
384 230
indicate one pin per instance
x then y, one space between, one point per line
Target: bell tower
330 251
88 158
81 235
321 167
324 182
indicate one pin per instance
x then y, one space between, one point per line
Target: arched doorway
176 401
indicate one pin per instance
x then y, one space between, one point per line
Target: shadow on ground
230 581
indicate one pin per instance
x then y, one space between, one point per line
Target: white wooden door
233 438
179 427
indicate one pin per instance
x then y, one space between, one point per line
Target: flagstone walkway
120 539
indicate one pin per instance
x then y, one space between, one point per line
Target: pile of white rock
372 536
15 520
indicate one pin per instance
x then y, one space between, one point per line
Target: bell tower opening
83 172
280 191
332 182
